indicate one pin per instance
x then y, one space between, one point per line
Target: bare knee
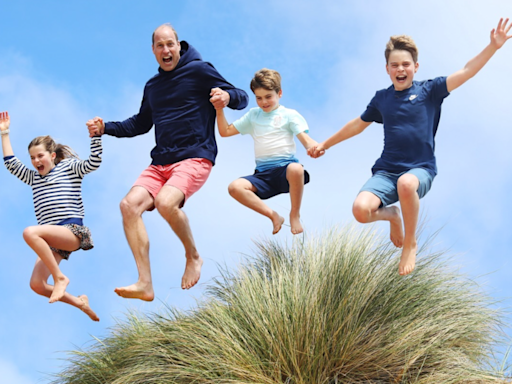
236 187
407 185
294 171
166 207
38 286
361 212
29 234
128 209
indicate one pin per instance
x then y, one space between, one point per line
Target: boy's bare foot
407 260
396 233
137 291
86 309
59 289
277 221
296 225
192 272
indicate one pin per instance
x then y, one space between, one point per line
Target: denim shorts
384 184
272 182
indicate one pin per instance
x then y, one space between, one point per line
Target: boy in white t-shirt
272 127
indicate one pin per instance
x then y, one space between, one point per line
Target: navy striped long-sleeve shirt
58 195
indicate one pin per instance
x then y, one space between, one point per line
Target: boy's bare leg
244 192
168 203
410 202
40 238
366 210
135 203
39 284
295 177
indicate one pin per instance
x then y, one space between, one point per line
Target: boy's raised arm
5 122
352 128
498 38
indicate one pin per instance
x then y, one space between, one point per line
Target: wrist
4 132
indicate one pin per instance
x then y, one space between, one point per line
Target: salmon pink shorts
188 176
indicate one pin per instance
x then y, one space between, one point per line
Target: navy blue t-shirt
410 119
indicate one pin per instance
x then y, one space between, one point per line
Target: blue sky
65 62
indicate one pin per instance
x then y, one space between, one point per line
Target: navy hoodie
178 104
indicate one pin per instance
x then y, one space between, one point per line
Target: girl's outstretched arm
5 122
83 167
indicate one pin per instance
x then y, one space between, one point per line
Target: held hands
95 126
316 151
499 35
219 98
5 121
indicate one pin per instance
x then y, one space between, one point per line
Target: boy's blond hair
267 79
401 43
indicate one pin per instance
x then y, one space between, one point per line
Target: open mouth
401 78
40 168
167 59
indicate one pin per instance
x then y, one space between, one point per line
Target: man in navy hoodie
179 102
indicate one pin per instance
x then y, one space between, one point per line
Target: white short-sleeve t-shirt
273 134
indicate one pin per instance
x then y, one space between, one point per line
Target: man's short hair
401 43
163 25
267 79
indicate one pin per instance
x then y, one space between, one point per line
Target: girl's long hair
62 151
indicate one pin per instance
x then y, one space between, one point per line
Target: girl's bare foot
396 233
139 290
407 260
86 309
296 224
192 272
277 221
59 289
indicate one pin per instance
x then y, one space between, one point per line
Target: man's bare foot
137 291
296 225
396 233
407 260
86 309
277 221
192 272
59 289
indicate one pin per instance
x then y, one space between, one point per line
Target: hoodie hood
187 55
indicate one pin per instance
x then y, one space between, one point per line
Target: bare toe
59 289
87 309
192 272
296 225
277 221
141 291
407 260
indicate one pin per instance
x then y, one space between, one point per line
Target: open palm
499 35
5 121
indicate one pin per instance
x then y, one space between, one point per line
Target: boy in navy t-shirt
410 111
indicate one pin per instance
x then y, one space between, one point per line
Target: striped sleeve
18 169
83 167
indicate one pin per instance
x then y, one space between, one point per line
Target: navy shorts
384 184
272 182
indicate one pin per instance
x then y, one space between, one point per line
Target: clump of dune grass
331 309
